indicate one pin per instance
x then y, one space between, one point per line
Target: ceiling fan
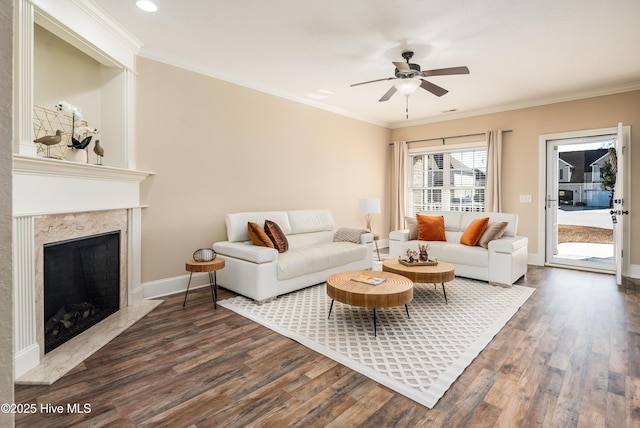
407 78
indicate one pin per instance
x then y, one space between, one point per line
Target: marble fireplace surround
54 228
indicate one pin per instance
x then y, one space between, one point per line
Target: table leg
376 242
187 293
214 288
407 308
330 308
375 333
445 294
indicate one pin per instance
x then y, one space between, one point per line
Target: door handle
549 200
619 212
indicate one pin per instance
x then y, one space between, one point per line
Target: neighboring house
465 190
579 178
596 168
564 171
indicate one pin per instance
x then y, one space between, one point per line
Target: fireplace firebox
81 285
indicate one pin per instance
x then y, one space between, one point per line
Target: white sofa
262 273
502 263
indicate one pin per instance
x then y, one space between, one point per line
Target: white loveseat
262 273
502 263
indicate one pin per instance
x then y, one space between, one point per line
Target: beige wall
6 253
520 156
219 148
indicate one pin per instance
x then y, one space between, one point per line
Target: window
447 179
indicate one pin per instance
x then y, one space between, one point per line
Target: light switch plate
525 198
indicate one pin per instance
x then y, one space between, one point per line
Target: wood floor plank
568 357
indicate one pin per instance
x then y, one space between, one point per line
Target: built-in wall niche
62 72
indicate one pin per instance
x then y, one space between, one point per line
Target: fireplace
81 285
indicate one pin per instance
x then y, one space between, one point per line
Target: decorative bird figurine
77 144
49 140
99 151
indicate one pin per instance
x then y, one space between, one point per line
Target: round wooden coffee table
442 272
344 287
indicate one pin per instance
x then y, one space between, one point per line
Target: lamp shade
368 206
407 86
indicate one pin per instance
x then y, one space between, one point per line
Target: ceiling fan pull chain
407 105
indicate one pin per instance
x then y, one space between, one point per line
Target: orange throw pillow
258 236
474 231
430 228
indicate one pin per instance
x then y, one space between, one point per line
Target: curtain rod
451 137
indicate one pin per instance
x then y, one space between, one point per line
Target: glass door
579 200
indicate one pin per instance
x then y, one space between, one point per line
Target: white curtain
398 184
493 185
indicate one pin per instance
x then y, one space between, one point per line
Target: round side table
210 267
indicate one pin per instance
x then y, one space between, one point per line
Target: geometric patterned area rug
419 357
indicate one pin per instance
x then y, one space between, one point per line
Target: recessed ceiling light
147 5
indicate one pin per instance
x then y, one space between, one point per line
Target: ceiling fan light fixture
407 86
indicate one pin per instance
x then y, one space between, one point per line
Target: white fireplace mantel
52 186
49 187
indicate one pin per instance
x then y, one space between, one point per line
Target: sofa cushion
511 219
349 234
494 230
412 225
462 255
305 260
276 235
258 235
431 228
306 221
474 231
237 223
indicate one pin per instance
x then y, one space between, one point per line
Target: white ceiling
520 53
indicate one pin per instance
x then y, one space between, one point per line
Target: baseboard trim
25 360
175 285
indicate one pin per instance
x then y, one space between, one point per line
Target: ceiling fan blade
392 90
402 66
372 81
446 71
434 89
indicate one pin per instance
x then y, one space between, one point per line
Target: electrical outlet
525 198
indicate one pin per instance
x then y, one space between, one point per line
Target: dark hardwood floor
570 357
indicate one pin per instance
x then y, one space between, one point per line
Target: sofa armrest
366 238
399 235
508 244
246 251
397 240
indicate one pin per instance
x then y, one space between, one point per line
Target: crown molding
573 96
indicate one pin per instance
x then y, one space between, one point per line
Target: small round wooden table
344 287
442 272
210 267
